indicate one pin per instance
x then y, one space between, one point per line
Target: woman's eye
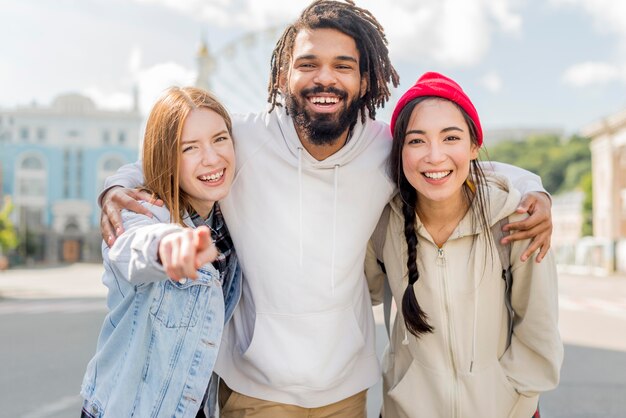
187 148
221 138
452 138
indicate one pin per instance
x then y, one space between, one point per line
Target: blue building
53 163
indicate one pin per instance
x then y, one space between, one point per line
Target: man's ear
364 83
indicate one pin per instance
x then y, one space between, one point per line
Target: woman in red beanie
453 351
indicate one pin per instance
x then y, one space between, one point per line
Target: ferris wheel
238 72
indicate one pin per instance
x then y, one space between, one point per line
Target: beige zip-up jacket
464 369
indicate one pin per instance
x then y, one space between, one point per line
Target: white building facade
608 159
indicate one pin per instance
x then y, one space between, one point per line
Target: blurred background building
608 157
53 162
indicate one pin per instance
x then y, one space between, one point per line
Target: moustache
319 89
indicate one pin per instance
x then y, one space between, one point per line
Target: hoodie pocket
418 389
313 351
489 392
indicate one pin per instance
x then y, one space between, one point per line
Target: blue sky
525 63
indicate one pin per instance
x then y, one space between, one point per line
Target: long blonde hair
162 144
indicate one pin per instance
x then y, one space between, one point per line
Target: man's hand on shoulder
113 201
537 227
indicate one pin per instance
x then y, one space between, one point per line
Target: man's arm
535 201
120 193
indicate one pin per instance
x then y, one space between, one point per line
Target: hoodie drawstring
475 320
332 262
300 205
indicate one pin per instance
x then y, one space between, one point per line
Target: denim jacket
159 341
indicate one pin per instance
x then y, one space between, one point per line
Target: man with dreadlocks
308 192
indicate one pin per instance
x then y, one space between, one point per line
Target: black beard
322 129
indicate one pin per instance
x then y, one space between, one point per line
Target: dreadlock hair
415 319
370 40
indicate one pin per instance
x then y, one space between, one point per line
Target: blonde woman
173 277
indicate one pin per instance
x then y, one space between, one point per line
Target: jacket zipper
441 262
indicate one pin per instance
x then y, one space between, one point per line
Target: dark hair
415 319
370 40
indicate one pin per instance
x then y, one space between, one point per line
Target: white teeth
324 99
438 175
212 177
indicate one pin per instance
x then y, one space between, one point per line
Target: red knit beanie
438 85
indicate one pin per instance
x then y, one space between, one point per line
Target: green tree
561 164
8 237
587 187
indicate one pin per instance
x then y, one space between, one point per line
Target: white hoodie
303 332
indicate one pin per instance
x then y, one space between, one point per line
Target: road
50 319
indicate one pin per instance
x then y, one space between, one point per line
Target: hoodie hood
360 139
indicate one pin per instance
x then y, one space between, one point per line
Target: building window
121 138
106 136
31 182
24 134
79 174
30 187
41 134
32 163
66 173
108 167
73 133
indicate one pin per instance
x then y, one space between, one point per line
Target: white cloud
449 32
607 15
154 80
592 73
134 61
508 21
151 83
492 82
109 101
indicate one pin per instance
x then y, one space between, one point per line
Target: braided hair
415 319
360 25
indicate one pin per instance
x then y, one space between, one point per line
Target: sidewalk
68 281
84 280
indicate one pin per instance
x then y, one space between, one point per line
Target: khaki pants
236 405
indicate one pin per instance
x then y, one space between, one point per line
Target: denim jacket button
183 280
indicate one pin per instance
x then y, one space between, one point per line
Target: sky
546 64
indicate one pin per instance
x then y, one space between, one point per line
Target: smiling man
309 189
